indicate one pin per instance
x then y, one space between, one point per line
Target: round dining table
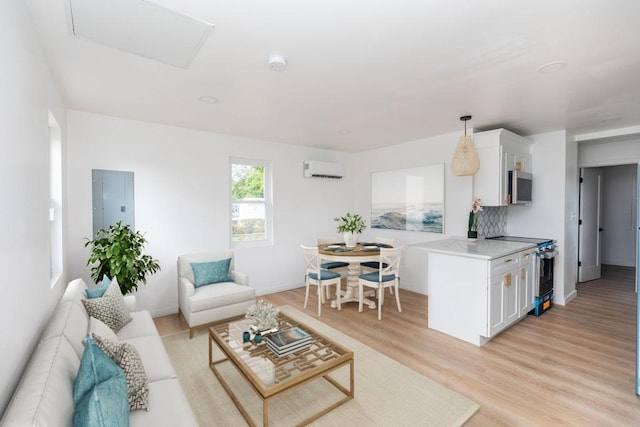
362 252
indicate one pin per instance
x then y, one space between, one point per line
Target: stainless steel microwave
520 186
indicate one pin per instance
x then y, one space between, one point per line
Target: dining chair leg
398 299
338 289
380 301
306 294
360 297
320 292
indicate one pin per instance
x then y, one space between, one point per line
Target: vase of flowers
476 208
350 225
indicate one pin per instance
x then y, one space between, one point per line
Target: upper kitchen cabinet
500 151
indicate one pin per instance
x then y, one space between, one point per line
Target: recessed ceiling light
344 132
552 67
277 63
208 99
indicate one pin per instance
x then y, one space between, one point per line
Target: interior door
637 281
590 224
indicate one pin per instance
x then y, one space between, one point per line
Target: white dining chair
321 278
387 276
370 266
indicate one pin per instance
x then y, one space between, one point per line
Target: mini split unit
317 169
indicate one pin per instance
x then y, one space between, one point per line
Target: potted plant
117 252
350 225
476 207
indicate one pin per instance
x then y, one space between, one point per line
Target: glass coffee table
272 376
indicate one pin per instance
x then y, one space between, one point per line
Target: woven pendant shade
465 160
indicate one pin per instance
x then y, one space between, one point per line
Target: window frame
55 211
267 202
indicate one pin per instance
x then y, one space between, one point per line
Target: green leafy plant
117 252
350 223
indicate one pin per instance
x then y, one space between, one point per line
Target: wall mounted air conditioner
318 169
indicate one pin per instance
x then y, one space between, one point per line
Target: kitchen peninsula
478 288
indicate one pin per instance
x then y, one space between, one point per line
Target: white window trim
268 202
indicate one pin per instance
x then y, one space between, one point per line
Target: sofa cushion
222 294
141 326
155 359
207 273
100 390
74 291
97 292
44 396
128 359
169 407
71 320
109 308
98 327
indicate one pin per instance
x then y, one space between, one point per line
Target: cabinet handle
507 280
523 273
508 260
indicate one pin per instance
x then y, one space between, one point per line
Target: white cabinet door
497 321
527 280
511 280
503 293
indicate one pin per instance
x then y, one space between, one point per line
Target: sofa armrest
239 278
131 303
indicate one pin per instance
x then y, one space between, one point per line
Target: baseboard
566 300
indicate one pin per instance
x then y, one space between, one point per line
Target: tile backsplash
492 221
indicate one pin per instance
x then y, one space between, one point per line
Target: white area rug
386 392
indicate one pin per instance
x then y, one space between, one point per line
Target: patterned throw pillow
110 308
128 358
206 273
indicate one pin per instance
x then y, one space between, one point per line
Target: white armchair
206 304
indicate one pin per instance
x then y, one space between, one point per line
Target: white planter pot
350 239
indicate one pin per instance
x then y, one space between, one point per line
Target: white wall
427 151
181 195
553 213
27 94
619 217
609 152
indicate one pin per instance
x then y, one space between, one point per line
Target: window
55 200
250 201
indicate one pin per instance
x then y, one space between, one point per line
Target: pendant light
465 160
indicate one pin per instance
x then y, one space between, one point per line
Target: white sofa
205 304
44 395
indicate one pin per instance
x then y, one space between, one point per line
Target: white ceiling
366 74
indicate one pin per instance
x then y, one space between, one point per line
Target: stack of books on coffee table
288 341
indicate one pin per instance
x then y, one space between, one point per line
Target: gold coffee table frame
272 376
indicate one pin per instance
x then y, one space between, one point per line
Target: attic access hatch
139 27
318 169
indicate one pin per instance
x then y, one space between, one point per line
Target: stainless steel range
546 251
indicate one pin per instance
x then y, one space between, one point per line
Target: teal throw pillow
100 390
100 290
206 273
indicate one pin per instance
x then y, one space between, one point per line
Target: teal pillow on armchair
206 273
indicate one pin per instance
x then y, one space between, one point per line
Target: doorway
113 199
608 220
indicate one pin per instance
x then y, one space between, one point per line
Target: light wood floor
573 365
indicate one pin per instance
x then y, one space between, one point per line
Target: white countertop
485 249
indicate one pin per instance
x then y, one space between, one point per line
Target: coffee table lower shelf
349 393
